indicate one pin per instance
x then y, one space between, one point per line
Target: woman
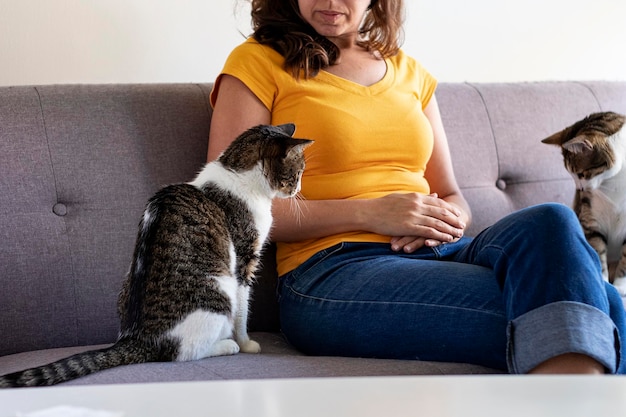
373 262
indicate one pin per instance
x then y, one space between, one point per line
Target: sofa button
59 209
501 184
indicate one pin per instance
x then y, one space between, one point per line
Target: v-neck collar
378 87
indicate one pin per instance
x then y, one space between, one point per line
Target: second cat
594 153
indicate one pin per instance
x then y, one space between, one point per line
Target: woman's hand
415 220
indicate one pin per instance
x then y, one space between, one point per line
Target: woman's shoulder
406 65
252 49
402 60
258 66
410 72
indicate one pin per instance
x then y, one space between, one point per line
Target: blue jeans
525 290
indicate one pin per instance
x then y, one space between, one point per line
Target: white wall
112 41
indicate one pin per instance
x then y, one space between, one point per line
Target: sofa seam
593 93
45 132
56 192
493 137
493 133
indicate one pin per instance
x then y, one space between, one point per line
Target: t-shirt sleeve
428 84
252 65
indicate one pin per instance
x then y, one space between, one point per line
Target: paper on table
70 411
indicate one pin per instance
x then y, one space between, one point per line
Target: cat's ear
556 139
288 128
301 142
579 144
296 144
293 146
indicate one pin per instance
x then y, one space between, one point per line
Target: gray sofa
78 162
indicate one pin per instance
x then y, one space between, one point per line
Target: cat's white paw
225 347
620 284
250 346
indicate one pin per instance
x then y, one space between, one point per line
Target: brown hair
279 24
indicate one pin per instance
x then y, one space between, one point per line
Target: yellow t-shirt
370 141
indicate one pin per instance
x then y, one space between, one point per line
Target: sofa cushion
277 360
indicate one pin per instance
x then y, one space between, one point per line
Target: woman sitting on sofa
374 263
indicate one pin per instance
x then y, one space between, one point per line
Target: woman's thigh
366 300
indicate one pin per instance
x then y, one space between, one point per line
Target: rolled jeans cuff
559 328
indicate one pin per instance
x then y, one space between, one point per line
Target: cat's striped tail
124 352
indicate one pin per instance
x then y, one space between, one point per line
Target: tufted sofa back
495 133
78 162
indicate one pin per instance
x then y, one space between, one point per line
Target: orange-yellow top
370 141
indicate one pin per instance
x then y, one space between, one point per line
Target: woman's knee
554 213
553 219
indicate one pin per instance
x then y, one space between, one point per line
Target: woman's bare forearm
296 220
399 214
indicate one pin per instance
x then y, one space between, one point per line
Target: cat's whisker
310 155
295 207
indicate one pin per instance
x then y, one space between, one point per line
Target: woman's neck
357 64
345 42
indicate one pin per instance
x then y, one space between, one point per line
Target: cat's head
589 148
274 151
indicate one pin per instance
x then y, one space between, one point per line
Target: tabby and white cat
198 247
594 153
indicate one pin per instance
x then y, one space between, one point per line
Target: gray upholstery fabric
80 165
495 133
78 162
278 360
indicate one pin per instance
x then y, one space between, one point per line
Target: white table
431 396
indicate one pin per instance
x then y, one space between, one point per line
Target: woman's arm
414 219
407 214
439 172
440 176
236 110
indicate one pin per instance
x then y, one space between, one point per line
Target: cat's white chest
249 186
263 220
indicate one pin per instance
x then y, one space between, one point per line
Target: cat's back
192 205
185 216
178 196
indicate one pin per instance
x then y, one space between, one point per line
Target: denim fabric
524 290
